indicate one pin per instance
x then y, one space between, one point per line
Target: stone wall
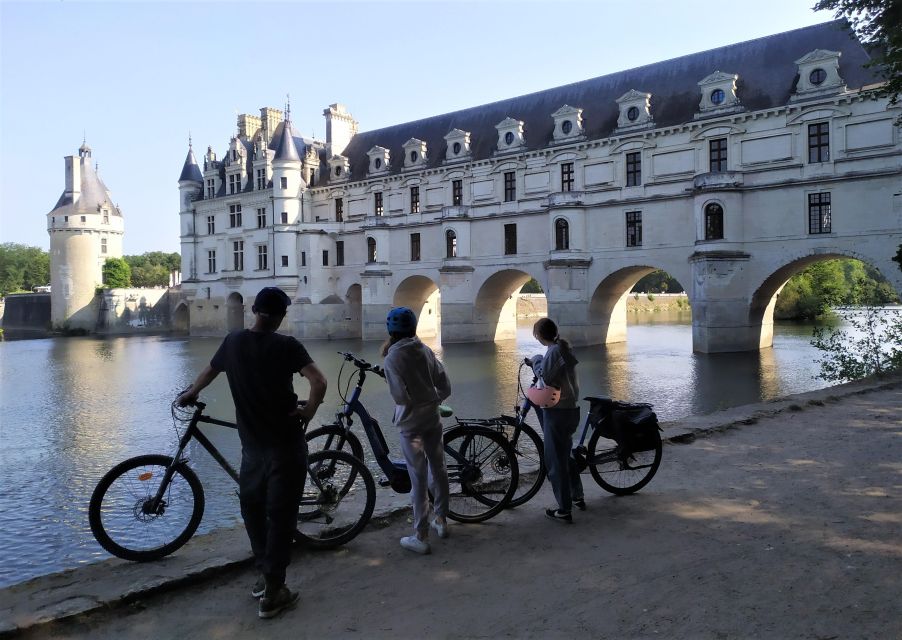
26 315
132 311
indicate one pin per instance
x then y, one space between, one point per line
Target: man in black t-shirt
260 365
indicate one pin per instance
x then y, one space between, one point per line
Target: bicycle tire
329 432
321 500
620 474
481 485
110 513
530 452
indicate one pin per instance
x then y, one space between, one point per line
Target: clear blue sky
136 77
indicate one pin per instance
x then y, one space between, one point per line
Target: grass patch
816 403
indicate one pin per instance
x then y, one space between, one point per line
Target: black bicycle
148 506
481 463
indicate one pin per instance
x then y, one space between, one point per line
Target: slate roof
767 78
190 171
93 197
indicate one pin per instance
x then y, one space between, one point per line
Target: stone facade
732 170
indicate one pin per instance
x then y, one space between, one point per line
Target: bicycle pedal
385 482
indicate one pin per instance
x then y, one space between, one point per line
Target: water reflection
72 408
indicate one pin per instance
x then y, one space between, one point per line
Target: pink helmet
543 397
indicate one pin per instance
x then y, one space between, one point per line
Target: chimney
269 120
340 128
73 177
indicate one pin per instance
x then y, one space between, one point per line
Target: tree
22 267
870 345
116 273
152 269
532 286
898 257
878 23
657 282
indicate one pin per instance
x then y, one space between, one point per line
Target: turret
287 181
85 229
191 184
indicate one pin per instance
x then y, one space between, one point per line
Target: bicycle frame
193 431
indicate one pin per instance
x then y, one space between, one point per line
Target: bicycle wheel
125 520
334 437
482 472
620 473
530 451
338 500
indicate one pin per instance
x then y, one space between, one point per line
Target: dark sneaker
259 588
271 606
559 516
580 503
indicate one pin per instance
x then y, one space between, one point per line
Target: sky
133 79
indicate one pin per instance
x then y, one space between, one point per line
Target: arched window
450 244
713 222
561 234
371 250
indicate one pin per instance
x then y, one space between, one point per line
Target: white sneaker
440 529
412 543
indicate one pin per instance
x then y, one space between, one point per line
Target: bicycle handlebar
362 364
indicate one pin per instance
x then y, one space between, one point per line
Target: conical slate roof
92 197
191 171
287 150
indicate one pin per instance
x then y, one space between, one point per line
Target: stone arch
234 312
181 318
421 294
764 299
495 307
607 306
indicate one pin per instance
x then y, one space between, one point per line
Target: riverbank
784 522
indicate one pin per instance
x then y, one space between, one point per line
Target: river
70 408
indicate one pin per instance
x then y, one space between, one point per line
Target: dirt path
788 528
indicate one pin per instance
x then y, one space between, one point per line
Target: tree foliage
22 267
657 282
152 269
532 286
832 283
878 23
871 344
898 257
116 273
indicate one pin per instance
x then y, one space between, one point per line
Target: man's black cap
272 301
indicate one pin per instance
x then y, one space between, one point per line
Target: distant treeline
812 293
23 267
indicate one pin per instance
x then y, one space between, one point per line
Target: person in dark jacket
260 365
557 368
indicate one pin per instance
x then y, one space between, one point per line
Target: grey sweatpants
425 457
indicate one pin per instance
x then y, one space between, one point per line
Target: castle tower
191 184
85 229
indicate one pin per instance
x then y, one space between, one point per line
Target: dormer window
379 159
414 153
718 94
458 145
818 75
510 135
568 123
339 168
635 111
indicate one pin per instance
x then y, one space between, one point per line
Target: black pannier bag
633 425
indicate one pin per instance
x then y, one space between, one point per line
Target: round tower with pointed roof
85 229
191 184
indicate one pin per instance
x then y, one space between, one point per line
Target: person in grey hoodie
557 368
418 383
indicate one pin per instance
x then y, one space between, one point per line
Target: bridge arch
495 306
764 299
421 294
234 312
181 318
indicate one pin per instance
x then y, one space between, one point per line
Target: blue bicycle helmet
401 320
